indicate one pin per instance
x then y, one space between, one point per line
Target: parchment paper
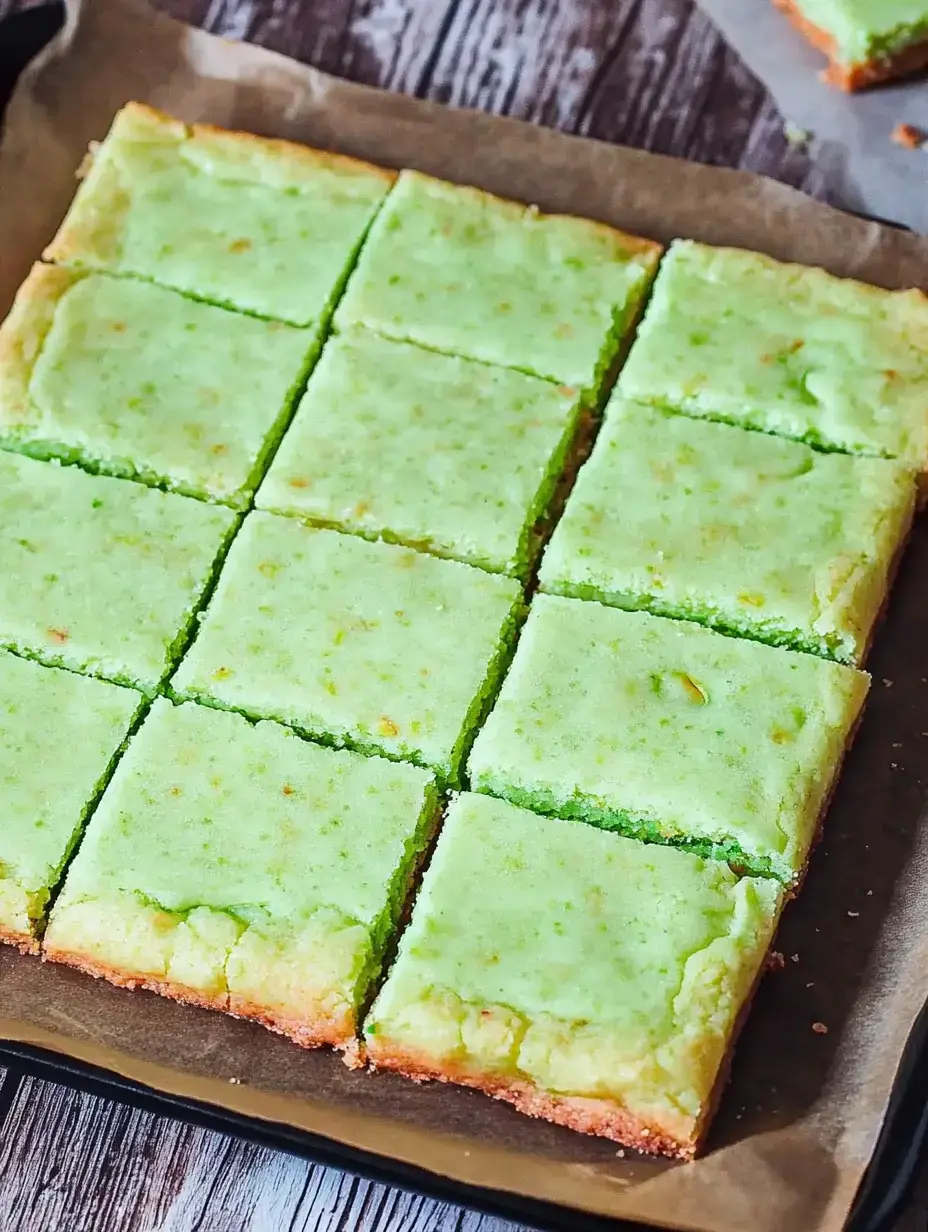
851 134
799 1121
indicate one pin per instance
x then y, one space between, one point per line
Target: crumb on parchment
909 136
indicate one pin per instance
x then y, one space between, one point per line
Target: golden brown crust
26 943
335 1033
310 158
866 73
91 231
154 118
274 147
23 334
601 1117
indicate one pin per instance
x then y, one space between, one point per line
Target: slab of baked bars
262 226
458 270
739 337
129 379
670 732
242 868
588 979
367 644
441 453
866 41
59 733
751 534
100 575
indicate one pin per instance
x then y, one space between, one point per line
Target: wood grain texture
650 73
75 1163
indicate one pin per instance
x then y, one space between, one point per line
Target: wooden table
650 73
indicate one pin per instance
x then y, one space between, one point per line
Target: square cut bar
669 732
748 533
394 442
738 337
59 733
457 270
364 644
599 984
261 226
240 868
131 380
866 41
99 575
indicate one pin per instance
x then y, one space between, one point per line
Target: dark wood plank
75 1162
80 1164
649 73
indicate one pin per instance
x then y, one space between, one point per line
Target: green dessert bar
457 270
738 337
59 733
599 984
267 227
750 534
365 644
669 732
240 868
429 450
866 41
131 380
99 575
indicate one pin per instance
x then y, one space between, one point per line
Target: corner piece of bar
256 225
738 337
243 869
600 985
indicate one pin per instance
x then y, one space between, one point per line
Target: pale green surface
456 270
58 734
739 530
668 730
587 963
736 336
362 643
208 811
863 29
257 226
97 574
140 381
430 450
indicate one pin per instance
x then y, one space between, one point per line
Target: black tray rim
901 1147
884 1193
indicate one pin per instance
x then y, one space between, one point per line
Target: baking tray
901 1141
884 1194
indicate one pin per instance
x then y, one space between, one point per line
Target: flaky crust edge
600 1117
80 239
340 1033
26 943
23 335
